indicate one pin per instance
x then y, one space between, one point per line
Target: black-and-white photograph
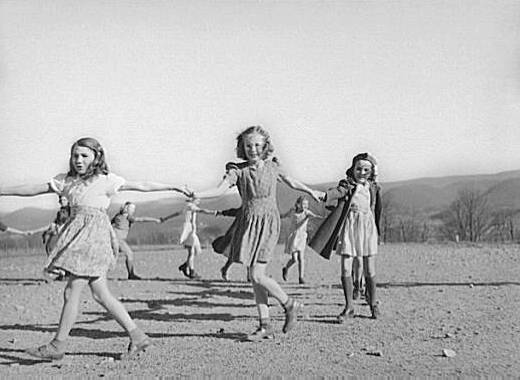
259 188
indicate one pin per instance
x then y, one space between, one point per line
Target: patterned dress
258 223
86 245
297 239
358 236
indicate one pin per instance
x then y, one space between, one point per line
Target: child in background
353 228
122 222
189 237
86 246
258 224
297 239
222 244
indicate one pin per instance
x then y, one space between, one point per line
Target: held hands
317 195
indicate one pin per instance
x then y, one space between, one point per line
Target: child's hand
318 196
188 192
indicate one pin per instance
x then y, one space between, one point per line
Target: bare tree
468 216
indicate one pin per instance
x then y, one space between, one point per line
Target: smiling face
362 171
82 158
254 147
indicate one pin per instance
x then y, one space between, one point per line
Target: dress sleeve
114 183
232 173
57 183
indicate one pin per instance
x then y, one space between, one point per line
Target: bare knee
256 274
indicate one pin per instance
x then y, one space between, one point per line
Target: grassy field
465 298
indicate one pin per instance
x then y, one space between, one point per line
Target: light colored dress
297 239
189 229
86 245
258 225
358 236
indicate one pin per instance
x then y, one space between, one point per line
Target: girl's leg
259 278
290 263
357 272
369 266
184 268
346 283
100 292
301 267
194 250
225 268
125 249
71 296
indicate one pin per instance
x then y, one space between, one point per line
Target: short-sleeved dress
121 223
297 239
258 223
189 229
86 245
358 236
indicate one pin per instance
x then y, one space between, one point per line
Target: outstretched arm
26 190
16 231
214 192
311 214
297 185
206 211
165 218
36 231
145 187
147 219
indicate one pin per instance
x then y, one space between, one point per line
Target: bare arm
165 218
297 185
36 231
206 211
145 187
15 231
147 219
26 190
311 214
214 192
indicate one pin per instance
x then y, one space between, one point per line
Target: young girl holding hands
297 239
86 246
352 228
258 224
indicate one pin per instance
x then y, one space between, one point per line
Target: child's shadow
17 360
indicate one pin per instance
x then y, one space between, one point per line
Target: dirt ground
433 297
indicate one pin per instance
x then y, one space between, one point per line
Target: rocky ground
433 298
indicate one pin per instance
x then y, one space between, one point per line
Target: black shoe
223 274
184 269
133 276
194 275
301 281
376 313
284 273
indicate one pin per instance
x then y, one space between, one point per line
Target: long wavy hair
268 145
98 166
364 157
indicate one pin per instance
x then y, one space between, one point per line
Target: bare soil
433 297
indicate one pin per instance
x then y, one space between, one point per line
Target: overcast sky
430 88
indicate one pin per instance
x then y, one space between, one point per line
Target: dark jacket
325 239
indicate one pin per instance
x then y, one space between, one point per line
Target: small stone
220 331
350 354
471 286
447 353
12 341
375 353
448 335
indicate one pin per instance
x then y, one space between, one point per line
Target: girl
121 222
189 236
297 239
353 227
51 231
86 246
258 224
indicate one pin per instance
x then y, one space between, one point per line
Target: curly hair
268 145
98 166
364 157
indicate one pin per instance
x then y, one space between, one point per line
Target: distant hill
426 196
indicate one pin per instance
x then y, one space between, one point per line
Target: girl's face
254 147
130 209
303 205
82 158
64 202
362 171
